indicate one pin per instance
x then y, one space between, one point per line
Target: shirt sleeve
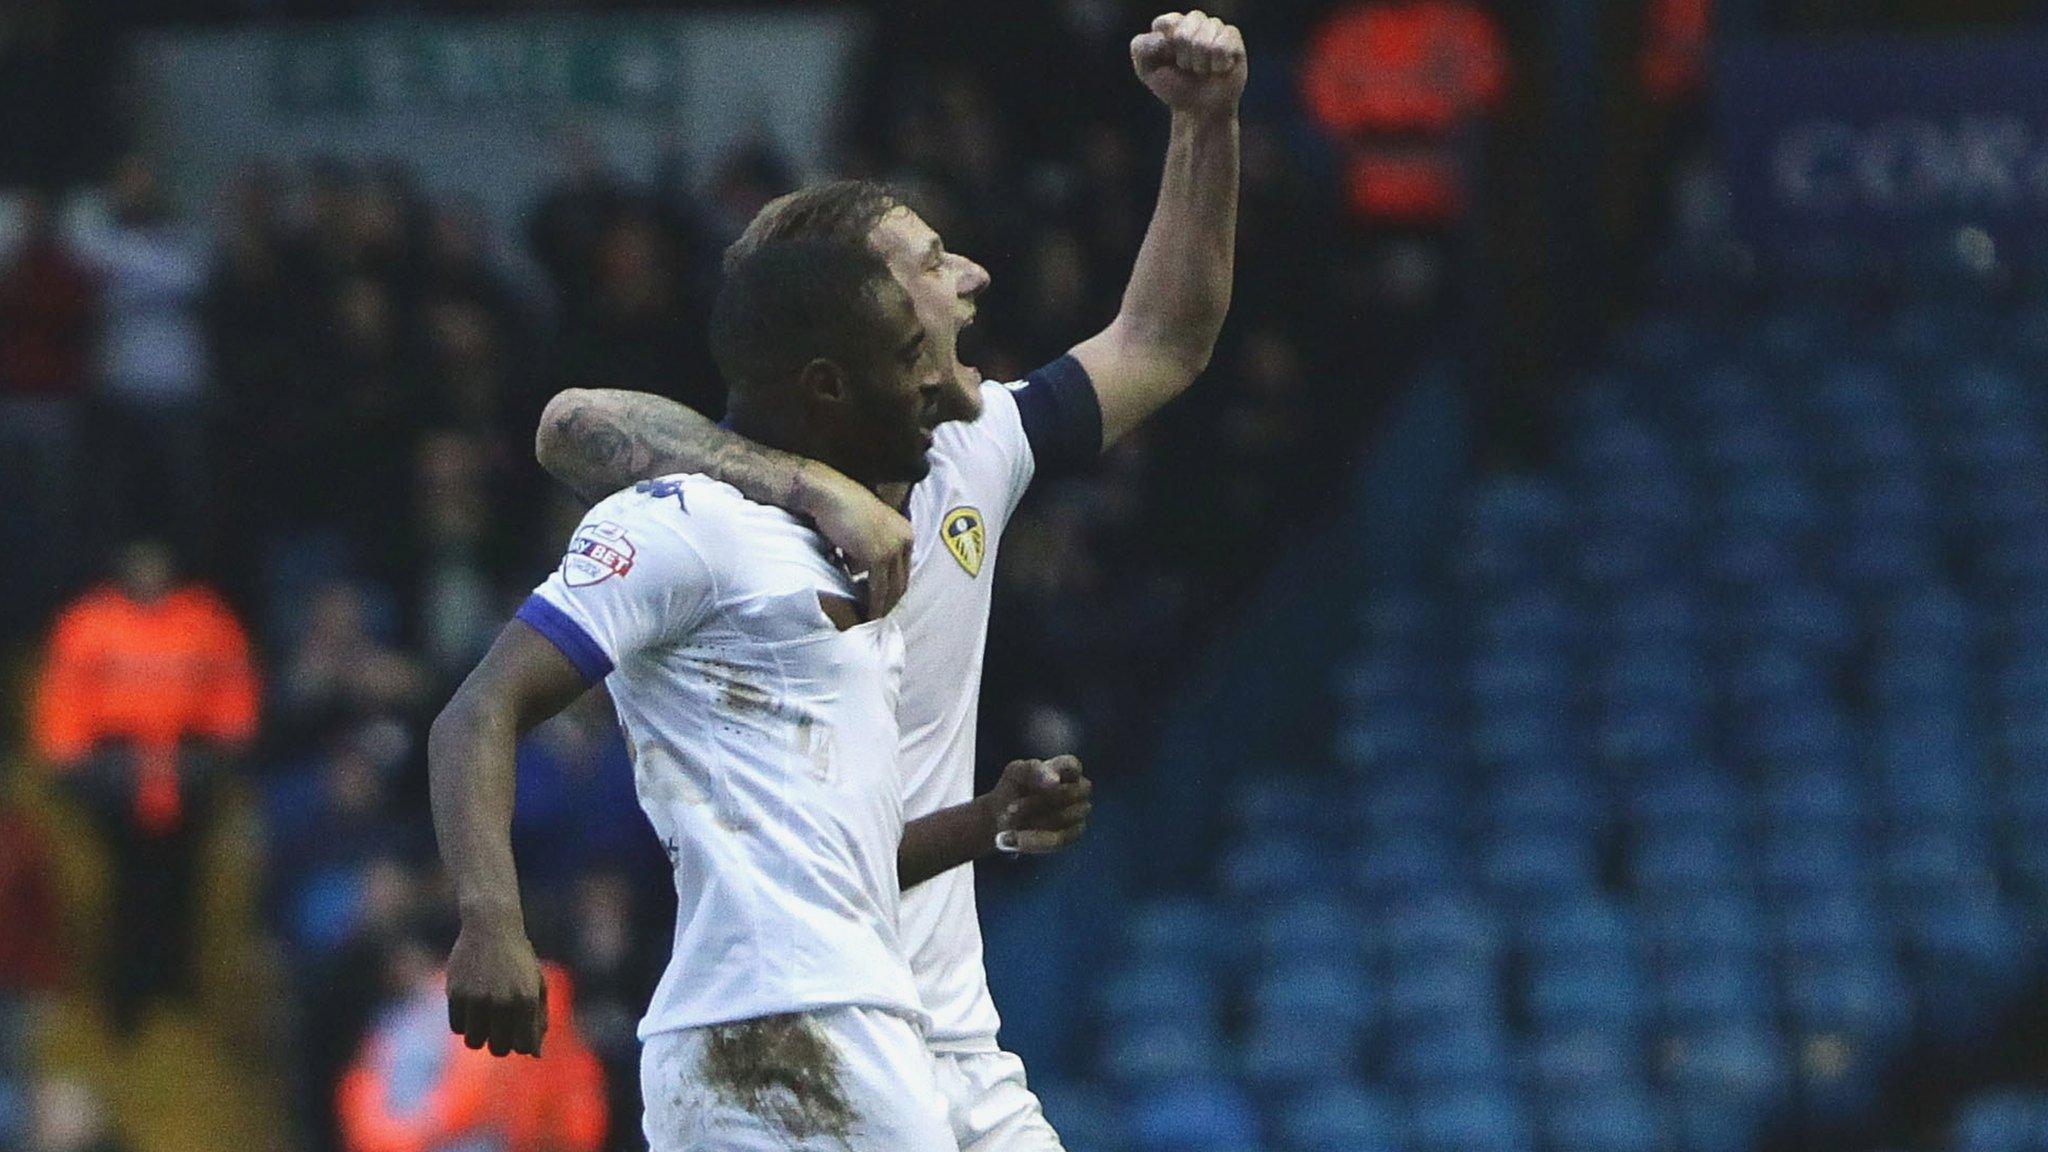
1062 417
625 584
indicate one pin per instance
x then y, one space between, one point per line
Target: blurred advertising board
481 107
1890 140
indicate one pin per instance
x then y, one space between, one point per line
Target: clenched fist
1192 61
496 993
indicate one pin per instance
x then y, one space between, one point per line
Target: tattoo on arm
598 441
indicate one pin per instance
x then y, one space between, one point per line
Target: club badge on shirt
965 537
597 554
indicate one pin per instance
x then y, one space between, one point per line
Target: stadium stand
1694 781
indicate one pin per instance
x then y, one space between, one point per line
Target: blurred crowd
276 493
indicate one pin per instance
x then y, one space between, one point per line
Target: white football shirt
980 471
764 746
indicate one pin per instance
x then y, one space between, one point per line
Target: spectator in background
456 608
607 947
47 300
342 669
1398 81
152 364
146 695
630 334
69 1116
330 823
417 1088
31 948
576 807
341 991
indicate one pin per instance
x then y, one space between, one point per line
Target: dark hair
843 211
786 303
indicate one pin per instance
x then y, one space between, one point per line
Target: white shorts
834 1080
991 1107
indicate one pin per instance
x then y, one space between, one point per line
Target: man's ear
824 380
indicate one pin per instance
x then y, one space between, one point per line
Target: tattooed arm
597 441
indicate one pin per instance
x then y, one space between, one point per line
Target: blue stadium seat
1687 860
1618 1119
2008 1120
1541 798
1206 1115
1339 997
1087 1117
1796 735
1681 801
1712 925
1524 677
1272 868
1440 926
1716 992
1458 1053
1155 990
1817 800
1654 615
1800 616
1640 736
1159 1052
1930 677
1185 930
1402 867
1283 1054
1395 736
1774 673
1830 924
1749 562
1521 732
1527 617
1310 928
1713 1126
1816 857
1534 865
1935 860
1862 996
1428 993
1653 678
1278 804
1935 616
1341 1118
1582 1059
1893 501
1967 932
1470 1121
1586 993
1586 926
1733 1067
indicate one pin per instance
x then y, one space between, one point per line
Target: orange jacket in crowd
148 674
1675 48
1395 81
417 1087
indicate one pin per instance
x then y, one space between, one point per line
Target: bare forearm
945 840
471 777
597 441
1180 286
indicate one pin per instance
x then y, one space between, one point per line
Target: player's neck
778 430
895 495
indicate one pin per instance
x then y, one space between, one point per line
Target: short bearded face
895 400
942 287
